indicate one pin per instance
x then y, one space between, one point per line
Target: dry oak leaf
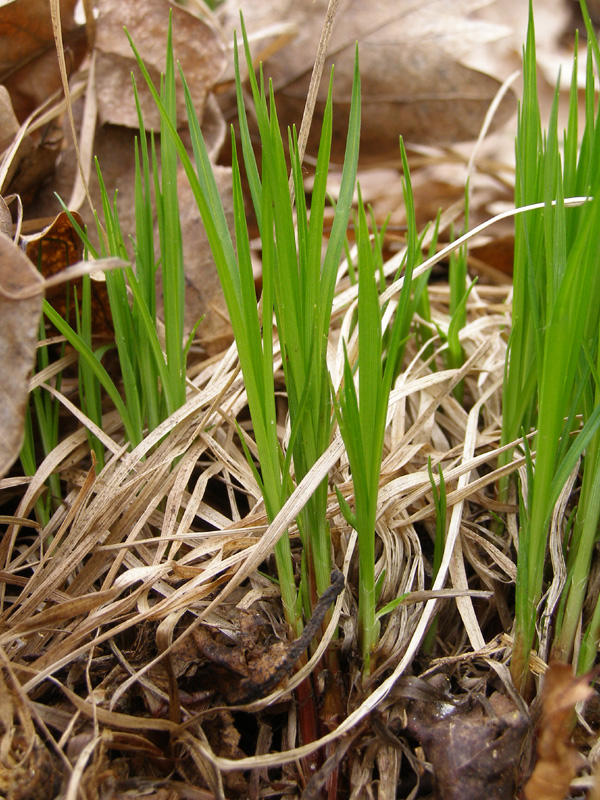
54 249
196 45
413 83
28 62
558 759
30 74
18 339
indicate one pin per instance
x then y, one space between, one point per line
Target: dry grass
99 609
114 619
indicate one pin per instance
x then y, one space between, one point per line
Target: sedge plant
551 369
42 426
297 291
42 415
154 379
303 285
362 410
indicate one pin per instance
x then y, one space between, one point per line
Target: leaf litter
20 321
113 617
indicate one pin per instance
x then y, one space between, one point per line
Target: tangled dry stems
171 536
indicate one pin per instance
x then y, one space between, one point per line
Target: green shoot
43 414
153 381
297 288
89 385
362 411
555 322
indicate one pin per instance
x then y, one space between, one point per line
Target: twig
315 82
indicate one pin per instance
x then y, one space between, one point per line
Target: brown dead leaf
30 74
203 295
5 218
498 252
18 339
474 751
413 83
28 64
56 247
34 162
9 125
558 760
196 46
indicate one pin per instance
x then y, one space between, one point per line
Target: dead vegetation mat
143 647
142 638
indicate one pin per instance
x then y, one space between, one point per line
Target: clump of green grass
298 287
551 377
362 412
551 385
154 379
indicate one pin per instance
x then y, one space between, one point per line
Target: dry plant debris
557 758
143 605
20 320
475 751
411 67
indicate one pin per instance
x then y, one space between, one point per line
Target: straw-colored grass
171 537
133 623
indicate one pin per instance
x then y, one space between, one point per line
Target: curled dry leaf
30 75
558 760
26 159
413 83
9 124
196 46
5 218
18 339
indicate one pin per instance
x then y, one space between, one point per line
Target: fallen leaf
34 162
30 74
557 757
9 124
413 83
497 254
28 64
5 218
196 46
18 340
203 293
474 752
52 250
